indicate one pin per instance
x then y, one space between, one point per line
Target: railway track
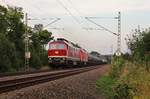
23 73
13 84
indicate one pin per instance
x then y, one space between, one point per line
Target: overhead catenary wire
102 17
52 22
75 8
71 12
80 13
68 11
40 18
81 16
55 19
39 9
34 6
101 26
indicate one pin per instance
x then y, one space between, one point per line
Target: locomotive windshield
57 46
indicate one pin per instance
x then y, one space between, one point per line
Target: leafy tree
8 59
146 41
39 39
3 21
16 31
12 35
35 61
45 36
11 31
139 44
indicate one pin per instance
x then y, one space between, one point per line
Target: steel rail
10 85
22 73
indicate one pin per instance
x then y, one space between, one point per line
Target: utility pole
118 52
27 53
111 53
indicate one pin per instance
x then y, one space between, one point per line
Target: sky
72 21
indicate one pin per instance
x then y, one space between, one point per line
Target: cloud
73 31
2 3
101 6
88 7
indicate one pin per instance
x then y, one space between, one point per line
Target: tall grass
105 86
126 80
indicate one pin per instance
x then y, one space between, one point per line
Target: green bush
110 86
44 58
7 55
117 66
35 61
105 86
123 91
147 62
12 40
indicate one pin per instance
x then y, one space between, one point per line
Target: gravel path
81 86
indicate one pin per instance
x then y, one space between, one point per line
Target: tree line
139 45
12 41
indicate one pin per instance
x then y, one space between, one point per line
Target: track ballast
13 84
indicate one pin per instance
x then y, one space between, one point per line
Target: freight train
62 52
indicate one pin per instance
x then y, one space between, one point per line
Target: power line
68 11
92 29
102 17
79 14
27 2
89 28
40 18
61 5
37 8
55 28
52 22
93 17
75 8
100 26
56 19
118 52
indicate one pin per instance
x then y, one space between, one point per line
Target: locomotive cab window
57 46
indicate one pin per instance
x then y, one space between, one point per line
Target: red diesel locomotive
63 52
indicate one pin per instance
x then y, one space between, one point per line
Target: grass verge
105 86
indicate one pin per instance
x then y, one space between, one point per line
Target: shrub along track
13 84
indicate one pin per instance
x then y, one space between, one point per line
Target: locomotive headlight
56 52
50 58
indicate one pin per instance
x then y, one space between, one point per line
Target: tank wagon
94 60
